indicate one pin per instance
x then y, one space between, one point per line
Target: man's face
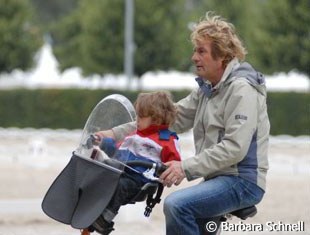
207 67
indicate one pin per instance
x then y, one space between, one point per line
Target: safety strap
151 201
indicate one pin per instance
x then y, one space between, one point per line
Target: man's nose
194 57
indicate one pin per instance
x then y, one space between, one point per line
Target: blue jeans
210 198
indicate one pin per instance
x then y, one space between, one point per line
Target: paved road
20 206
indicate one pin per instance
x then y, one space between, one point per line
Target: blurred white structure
47 75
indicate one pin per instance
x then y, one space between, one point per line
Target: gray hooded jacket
230 126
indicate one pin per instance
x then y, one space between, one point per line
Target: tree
92 37
20 38
66 41
284 41
275 32
48 11
161 36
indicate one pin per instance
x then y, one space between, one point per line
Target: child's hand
104 134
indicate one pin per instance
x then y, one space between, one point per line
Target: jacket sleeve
121 131
240 123
186 112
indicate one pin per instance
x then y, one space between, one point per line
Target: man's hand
173 175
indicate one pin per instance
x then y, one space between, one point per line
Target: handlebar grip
90 141
160 168
134 163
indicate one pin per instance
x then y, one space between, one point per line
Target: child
152 141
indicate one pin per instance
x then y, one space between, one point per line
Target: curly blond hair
224 41
157 105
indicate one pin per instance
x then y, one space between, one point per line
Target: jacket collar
152 129
207 88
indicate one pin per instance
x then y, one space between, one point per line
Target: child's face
143 122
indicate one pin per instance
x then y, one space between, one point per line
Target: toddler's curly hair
157 105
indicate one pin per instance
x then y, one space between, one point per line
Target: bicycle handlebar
159 167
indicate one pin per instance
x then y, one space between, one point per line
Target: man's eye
201 51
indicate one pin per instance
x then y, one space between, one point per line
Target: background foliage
95 41
275 32
90 34
19 37
70 108
283 39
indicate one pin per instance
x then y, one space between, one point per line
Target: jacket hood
254 78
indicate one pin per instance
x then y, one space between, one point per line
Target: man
228 114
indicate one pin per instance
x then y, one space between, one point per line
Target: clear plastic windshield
110 112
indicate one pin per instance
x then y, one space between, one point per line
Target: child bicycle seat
81 192
146 193
84 188
148 189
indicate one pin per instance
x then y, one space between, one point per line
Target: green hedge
53 108
289 113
